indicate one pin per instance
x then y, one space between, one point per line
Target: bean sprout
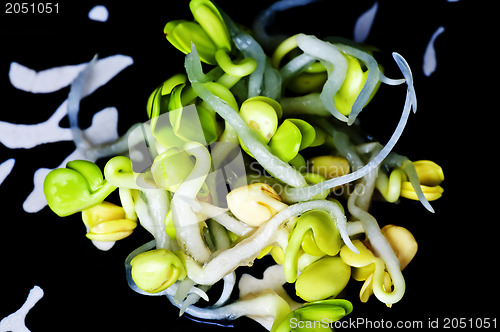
247 161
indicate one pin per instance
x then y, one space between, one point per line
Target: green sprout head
307 317
78 186
209 33
171 168
155 270
315 232
322 279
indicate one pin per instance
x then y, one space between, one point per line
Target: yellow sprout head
430 175
254 204
366 264
107 222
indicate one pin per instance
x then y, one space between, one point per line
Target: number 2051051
472 323
31 8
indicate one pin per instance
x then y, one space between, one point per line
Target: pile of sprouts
249 153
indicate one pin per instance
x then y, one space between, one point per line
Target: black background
453 274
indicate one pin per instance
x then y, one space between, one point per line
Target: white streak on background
45 81
99 14
364 24
16 322
22 136
104 129
430 61
5 168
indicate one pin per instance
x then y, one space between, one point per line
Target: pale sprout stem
382 248
186 223
249 248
